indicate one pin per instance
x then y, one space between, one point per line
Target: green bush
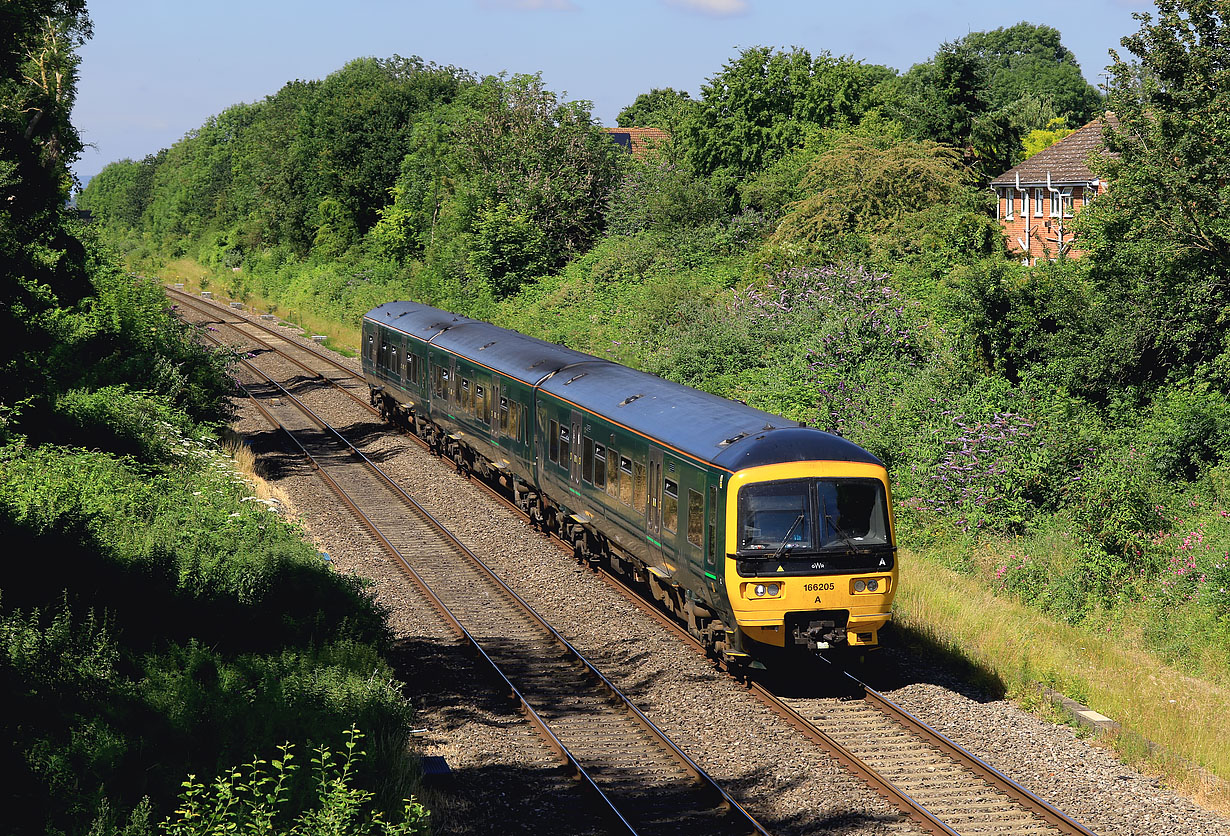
181 624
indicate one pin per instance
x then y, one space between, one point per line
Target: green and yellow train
762 535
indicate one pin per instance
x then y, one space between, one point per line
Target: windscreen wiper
785 540
845 538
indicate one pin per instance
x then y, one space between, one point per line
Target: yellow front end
761 604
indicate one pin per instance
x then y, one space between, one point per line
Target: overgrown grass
1104 668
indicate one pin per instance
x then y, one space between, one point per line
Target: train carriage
762 535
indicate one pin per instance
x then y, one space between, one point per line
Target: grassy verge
341 337
1020 647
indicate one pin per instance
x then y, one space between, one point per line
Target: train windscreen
812 515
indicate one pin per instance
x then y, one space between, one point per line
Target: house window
1009 200
1062 201
1038 202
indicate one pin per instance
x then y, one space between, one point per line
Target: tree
662 107
1160 237
983 92
1027 59
517 144
765 103
1040 139
862 184
42 266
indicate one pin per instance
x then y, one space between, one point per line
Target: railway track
640 780
940 785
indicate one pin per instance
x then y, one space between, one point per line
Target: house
1038 198
638 141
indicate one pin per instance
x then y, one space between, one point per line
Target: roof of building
638 141
1066 160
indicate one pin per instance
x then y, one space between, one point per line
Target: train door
454 391
499 413
382 355
653 513
574 467
369 343
690 510
713 538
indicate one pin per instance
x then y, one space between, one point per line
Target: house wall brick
1037 235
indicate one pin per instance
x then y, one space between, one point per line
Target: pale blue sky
157 69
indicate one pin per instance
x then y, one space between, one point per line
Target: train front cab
811 563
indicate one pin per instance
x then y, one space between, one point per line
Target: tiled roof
1066 160
638 141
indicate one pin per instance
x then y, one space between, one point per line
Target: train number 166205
819 587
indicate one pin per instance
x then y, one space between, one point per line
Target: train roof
713 429
707 427
517 355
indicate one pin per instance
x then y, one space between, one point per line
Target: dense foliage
816 239
157 618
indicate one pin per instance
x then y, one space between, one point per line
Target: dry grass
195 277
1182 715
246 463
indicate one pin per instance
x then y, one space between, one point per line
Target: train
765 537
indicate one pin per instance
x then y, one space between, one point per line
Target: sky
158 69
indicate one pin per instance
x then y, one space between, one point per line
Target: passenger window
514 421
640 486
480 403
466 399
670 506
565 448
696 517
599 466
625 480
587 459
504 415
553 434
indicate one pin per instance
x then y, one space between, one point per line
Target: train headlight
764 590
761 589
774 589
863 585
